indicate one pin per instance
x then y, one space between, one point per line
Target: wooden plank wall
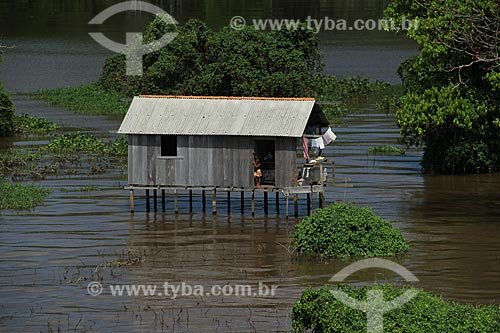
205 161
286 162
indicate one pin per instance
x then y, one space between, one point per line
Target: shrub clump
345 230
21 196
6 114
76 142
28 124
320 311
386 150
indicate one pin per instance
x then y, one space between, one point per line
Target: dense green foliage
6 113
88 99
76 142
344 230
385 150
452 102
87 143
319 311
21 196
200 61
28 124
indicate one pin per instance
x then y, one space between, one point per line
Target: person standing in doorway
257 172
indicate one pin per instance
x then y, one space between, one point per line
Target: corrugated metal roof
188 115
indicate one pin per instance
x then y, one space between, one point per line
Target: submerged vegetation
386 150
95 148
76 143
20 196
320 311
345 230
87 99
64 155
28 124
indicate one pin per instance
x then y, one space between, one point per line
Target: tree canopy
452 87
200 61
6 109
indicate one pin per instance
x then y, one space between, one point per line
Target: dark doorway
266 150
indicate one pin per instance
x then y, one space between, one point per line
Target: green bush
27 124
319 311
385 150
20 196
6 114
344 230
76 142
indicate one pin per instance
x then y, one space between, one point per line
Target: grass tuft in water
87 188
87 99
386 150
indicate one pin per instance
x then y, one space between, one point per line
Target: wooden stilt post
204 201
296 205
132 202
190 201
228 202
155 198
176 202
253 202
148 207
214 202
277 203
266 209
242 201
309 204
321 199
163 200
286 206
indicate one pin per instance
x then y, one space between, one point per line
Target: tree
200 61
6 109
452 87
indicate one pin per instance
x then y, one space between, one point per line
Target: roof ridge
232 97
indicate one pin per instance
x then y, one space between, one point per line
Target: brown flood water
451 222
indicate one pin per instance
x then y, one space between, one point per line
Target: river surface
451 223
49 255
52 48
